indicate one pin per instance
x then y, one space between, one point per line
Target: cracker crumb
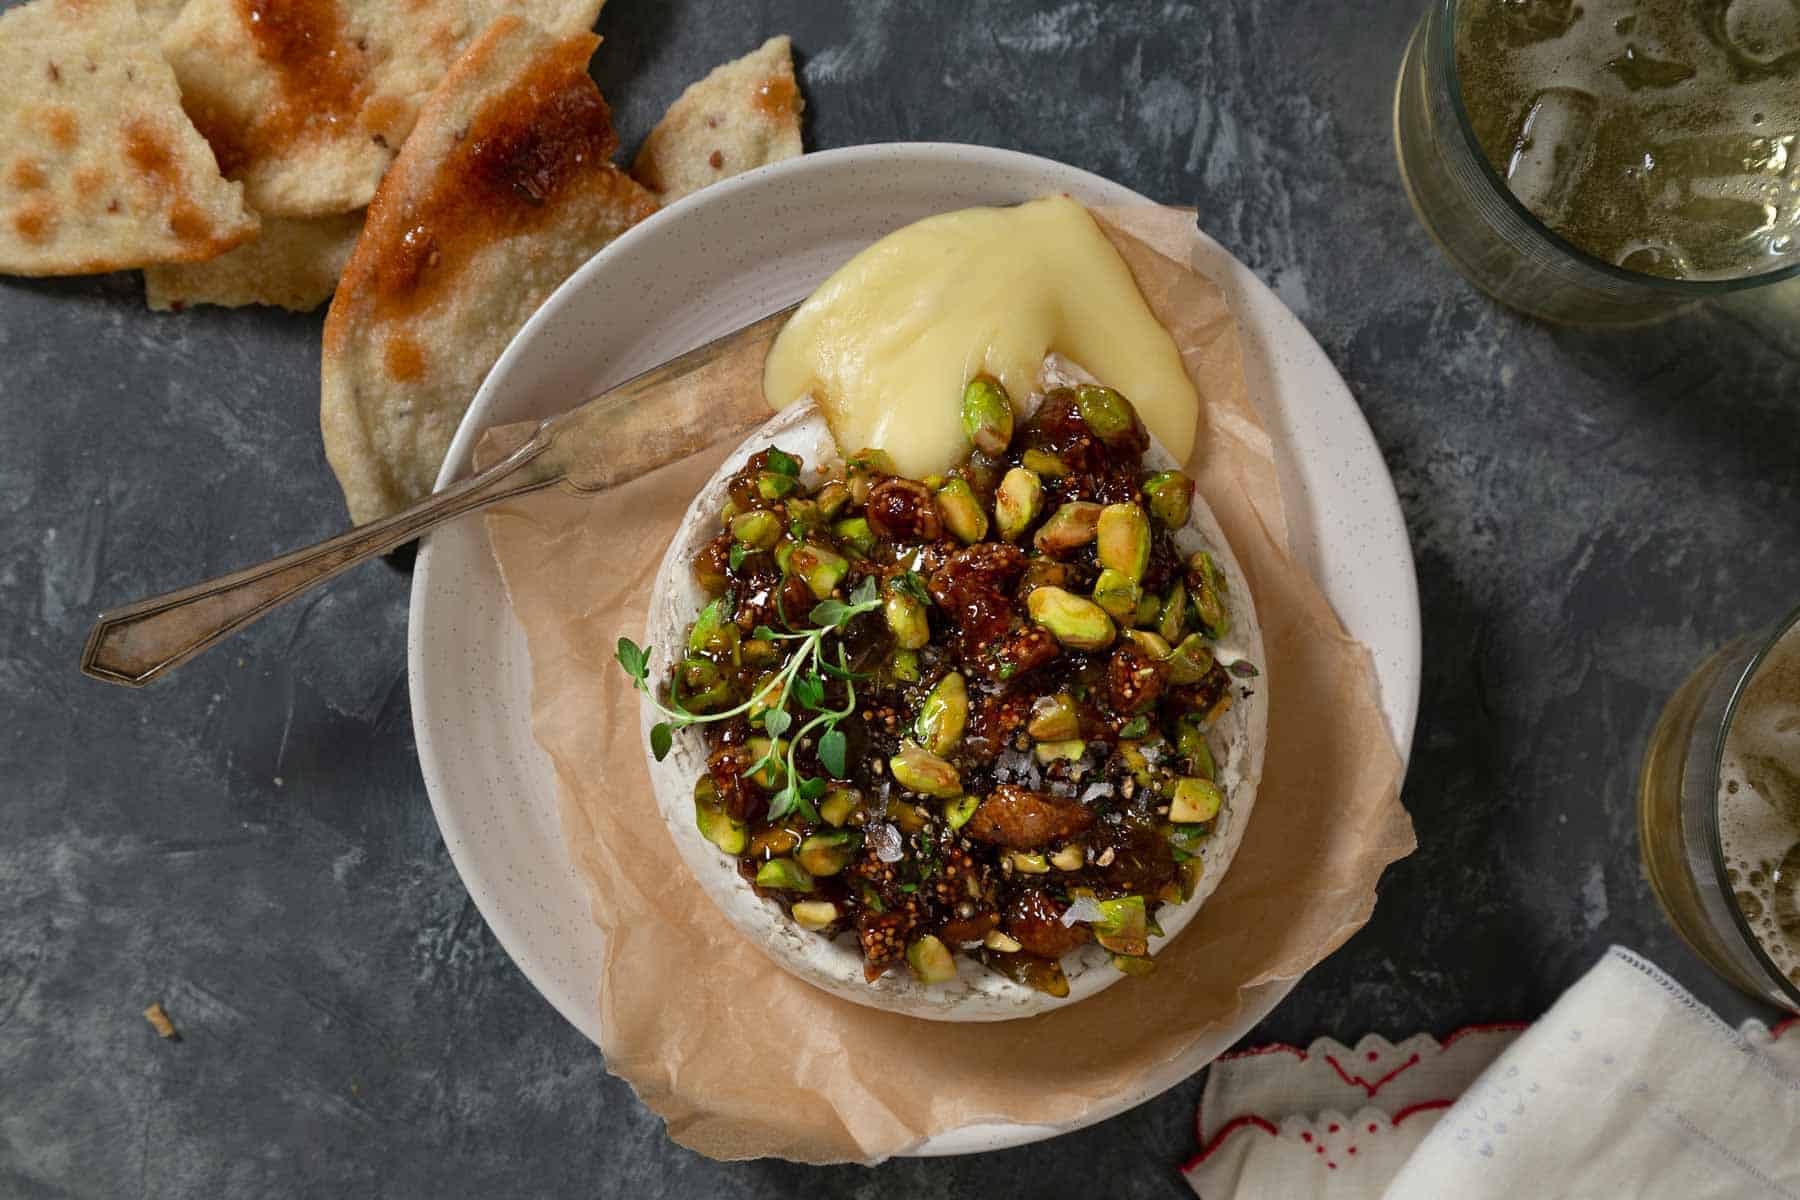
159 1021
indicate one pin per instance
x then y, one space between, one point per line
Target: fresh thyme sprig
801 678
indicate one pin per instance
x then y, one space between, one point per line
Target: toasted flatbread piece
99 169
294 264
743 115
307 101
504 188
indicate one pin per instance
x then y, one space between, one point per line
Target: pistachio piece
906 619
958 811
1150 643
1170 495
1118 594
701 686
716 825
1171 619
1107 414
832 497
855 533
770 777
1044 463
836 807
1190 743
828 853
1123 926
864 469
1145 613
1029 864
759 652
1053 718
1191 870
1132 964
1194 800
961 511
930 961
1190 661
783 875
943 715
1069 528
903 665
814 914
1068 748
767 694
1017 502
1123 533
919 770
822 568
1077 623
774 485
1039 974
1043 572
1212 605
772 843
995 940
987 415
804 517
1069 858
784 555
715 634
908 818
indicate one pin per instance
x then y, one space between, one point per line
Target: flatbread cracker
308 101
504 188
743 115
99 169
294 264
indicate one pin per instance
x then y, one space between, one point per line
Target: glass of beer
1719 812
1606 161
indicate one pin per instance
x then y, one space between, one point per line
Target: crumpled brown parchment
743 1060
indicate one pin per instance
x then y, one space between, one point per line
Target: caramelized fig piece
1019 819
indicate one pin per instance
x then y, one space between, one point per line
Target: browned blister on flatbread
99 169
504 188
743 115
308 101
293 264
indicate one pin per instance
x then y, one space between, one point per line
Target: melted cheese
887 343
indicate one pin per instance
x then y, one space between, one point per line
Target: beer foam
1759 804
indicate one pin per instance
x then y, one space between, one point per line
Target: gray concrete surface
250 842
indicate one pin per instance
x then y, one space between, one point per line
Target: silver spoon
615 437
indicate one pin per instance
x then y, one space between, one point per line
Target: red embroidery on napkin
1365 1085
1783 1027
1247 1121
1421 1106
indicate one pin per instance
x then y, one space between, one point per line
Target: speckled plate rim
743 248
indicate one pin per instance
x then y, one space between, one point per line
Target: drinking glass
1492 238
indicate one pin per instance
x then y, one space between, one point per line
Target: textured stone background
250 841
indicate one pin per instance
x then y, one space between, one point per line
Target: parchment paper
743 1060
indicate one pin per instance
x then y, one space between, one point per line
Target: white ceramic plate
705 266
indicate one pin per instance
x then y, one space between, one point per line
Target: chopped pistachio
1150 643
770 777
1075 622
828 853
961 511
1195 800
919 770
1132 964
1053 718
1017 502
837 806
759 652
1031 863
832 497
1118 594
822 568
1069 748
1123 926
958 811
943 715
773 485
1069 858
903 665
703 687
863 469
716 825
1106 413
1171 620
1123 540
931 961
1190 743
784 554
1043 572
906 619
855 533
783 874
766 694
1212 606
814 914
1044 463
714 633
995 940
1069 528
804 517
987 415
1170 495
1145 614
908 817
1190 661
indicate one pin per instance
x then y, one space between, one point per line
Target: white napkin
1627 1087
